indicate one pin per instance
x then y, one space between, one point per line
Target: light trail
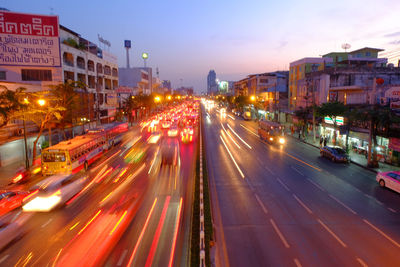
91 220
230 154
239 137
157 235
230 136
142 233
230 116
171 257
249 130
119 221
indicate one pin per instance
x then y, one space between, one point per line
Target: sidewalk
355 158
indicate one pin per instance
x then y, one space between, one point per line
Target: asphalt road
106 224
286 206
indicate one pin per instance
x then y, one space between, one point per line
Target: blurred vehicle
137 153
390 179
170 152
11 229
334 153
113 132
173 131
271 132
187 134
154 138
22 175
222 112
54 192
166 124
10 200
247 113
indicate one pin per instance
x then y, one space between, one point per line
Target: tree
240 101
10 102
39 114
129 105
67 97
332 110
302 114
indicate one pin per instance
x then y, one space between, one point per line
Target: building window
368 54
36 75
2 75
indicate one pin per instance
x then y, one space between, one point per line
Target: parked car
54 192
10 200
334 153
390 179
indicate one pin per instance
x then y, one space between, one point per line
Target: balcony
68 59
80 62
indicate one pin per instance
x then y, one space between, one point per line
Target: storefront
394 151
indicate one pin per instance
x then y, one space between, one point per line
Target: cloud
395 42
393 34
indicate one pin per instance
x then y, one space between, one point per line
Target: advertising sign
29 40
394 143
339 120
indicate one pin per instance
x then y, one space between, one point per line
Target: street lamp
157 99
26 102
169 97
41 102
145 56
252 98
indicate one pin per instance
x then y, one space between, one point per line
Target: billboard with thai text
29 40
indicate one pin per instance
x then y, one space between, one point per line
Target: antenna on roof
346 46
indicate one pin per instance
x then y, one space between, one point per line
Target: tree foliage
10 102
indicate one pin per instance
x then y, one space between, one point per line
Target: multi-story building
212 86
167 86
84 61
139 78
185 91
241 87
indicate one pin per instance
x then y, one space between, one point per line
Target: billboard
29 40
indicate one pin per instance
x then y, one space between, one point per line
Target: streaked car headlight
281 140
42 203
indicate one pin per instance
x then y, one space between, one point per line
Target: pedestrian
325 140
321 140
300 134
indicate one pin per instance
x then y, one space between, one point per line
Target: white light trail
239 137
230 154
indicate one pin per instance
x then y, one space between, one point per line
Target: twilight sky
187 38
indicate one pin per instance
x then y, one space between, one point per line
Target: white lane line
283 184
362 263
392 210
368 196
46 223
230 154
297 262
239 137
261 204
285 243
382 233
298 171
251 187
302 204
231 117
344 205
268 169
315 184
380 203
250 131
332 233
121 259
4 258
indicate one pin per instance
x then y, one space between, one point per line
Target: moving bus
78 153
112 131
247 113
272 132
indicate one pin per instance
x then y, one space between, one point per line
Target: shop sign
394 143
339 120
392 97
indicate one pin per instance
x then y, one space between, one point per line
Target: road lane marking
315 184
121 259
231 117
362 263
297 262
293 157
283 184
230 154
382 233
239 137
298 171
250 131
251 187
4 258
261 204
344 205
392 210
285 243
380 203
56 259
177 223
268 169
47 223
302 204
332 233
142 233
73 226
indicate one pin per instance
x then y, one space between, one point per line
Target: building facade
212 86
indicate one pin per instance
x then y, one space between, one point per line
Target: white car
390 179
10 230
54 192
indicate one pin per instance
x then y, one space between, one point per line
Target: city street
287 206
129 213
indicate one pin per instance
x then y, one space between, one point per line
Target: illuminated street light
157 99
41 102
253 98
169 97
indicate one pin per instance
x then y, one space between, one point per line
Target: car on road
390 179
12 229
11 200
170 152
334 153
187 134
54 192
173 131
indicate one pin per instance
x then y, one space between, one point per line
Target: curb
353 162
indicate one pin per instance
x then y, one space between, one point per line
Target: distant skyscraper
211 82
